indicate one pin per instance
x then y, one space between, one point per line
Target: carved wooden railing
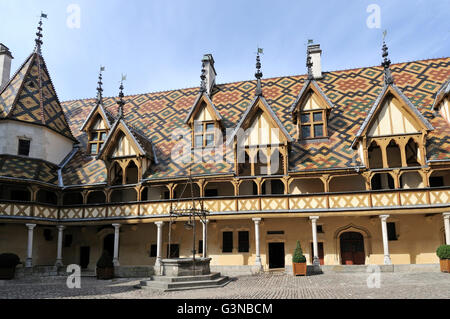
407 198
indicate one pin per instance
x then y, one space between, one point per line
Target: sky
159 44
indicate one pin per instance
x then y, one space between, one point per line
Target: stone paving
265 286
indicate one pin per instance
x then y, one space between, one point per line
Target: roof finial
121 102
258 73
203 78
100 83
386 62
38 39
309 63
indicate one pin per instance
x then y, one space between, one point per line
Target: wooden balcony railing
323 202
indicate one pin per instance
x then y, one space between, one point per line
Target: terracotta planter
299 269
105 273
445 265
7 273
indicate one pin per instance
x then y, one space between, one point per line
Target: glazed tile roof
28 168
30 97
160 117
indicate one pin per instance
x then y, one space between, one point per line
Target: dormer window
204 134
96 140
24 147
313 124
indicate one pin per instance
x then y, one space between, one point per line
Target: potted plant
105 267
443 252
8 263
299 261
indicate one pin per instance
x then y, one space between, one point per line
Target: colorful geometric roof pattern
84 170
160 116
28 168
30 97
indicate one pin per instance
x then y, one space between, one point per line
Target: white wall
45 143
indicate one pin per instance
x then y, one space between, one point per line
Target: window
174 251
204 135
392 234
227 246
96 140
313 124
200 246
275 232
153 250
320 229
243 242
24 147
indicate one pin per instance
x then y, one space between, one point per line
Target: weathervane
100 83
121 102
38 39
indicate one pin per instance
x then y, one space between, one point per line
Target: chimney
210 72
315 52
5 64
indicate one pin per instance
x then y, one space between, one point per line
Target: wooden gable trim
309 86
98 109
196 108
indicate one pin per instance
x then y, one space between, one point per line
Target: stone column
116 245
257 221
29 260
158 244
447 227
316 261
59 261
387 257
205 238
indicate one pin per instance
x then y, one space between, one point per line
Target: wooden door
352 249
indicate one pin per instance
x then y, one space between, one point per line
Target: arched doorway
352 248
108 244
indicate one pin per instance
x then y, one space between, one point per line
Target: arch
155 192
116 174
272 187
440 178
412 153
123 195
353 228
15 192
347 183
374 154
306 186
184 190
132 173
47 197
223 188
411 180
96 197
393 153
248 187
382 181
72 198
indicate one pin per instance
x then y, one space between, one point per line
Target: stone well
178 267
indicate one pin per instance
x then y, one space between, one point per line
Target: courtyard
265 286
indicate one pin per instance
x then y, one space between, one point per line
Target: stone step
211 276
184 285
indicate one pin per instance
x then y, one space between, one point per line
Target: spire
309 64
386 62
258 74
100 83
121 102
38 39
203 78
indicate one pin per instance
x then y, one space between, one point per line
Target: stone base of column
316 265
258 263
387 260
116 262
59 263
29 262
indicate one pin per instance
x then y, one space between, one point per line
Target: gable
98 123
204 114
123 146
392 119
203 110
312 102
260 131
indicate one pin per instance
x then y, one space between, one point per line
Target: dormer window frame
95 138
204 133
312 123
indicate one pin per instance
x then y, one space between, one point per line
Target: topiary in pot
299 261
443 252
105 266
8 263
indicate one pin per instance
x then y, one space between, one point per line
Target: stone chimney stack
5 64
210 72
315 52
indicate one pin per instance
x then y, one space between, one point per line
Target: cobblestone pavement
265 286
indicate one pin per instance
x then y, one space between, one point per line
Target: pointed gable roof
310 85
441 94
391 88
202 97
31 97
98 109
251 109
